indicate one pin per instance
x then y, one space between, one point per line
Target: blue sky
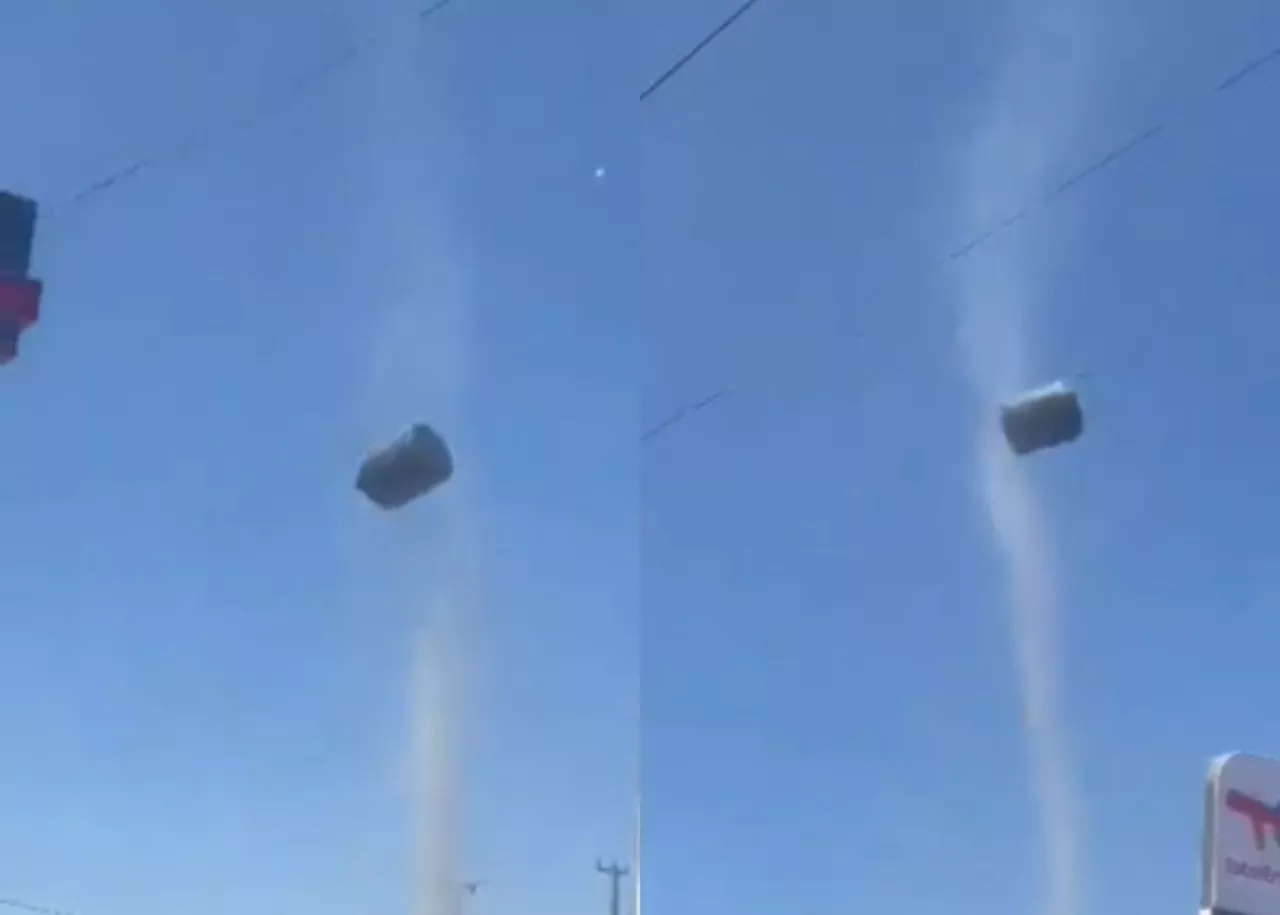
208 637
830 698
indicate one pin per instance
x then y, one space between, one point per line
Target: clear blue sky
207 636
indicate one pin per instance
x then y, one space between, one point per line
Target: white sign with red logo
1241 865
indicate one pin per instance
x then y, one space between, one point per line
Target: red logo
1259 815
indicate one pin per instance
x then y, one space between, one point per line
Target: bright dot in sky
600 172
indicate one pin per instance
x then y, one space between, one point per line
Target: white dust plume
1033 112
635 859
438 759
421 365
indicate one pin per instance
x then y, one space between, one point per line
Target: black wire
342 60
1111 157
662 79
27 907
245 120
1091 170
682 414
697 49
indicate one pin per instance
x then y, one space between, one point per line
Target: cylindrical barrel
411 466
1044 418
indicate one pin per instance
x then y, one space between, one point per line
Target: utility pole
615 872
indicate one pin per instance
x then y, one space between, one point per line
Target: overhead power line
246 119
615 872
1077 178
697 49
303 82
1116 152
28 907
682 414
340 61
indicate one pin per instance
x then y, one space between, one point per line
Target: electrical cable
1082 175
28 907
340 61
245 120
697 49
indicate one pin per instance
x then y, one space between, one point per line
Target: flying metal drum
410 467
1043 418
19 293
